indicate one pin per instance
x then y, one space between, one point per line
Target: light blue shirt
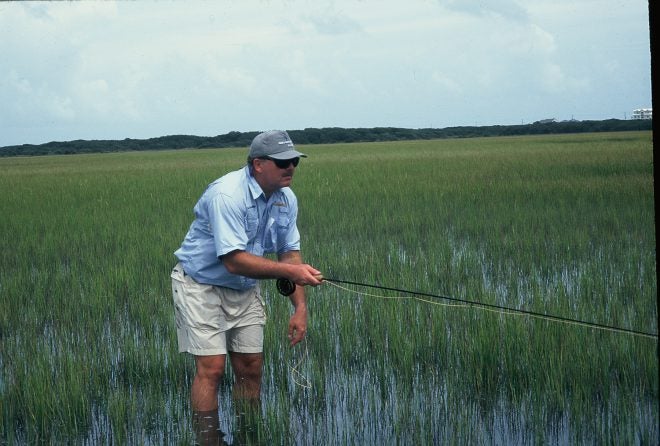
233 214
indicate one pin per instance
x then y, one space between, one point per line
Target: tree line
327 135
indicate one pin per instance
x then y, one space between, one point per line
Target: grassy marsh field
559 224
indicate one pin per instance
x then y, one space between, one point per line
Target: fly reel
285 287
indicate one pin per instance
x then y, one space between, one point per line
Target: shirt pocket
280 227
251 223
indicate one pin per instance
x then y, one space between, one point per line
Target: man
219 310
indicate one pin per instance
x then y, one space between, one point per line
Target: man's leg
204 394
204 399
247 369
199 305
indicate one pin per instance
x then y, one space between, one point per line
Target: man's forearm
245 264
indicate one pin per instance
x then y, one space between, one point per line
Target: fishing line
286 288
297 376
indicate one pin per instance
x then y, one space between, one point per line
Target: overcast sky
91 70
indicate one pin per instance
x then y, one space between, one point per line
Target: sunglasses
284 164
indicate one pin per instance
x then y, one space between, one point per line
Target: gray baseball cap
274 144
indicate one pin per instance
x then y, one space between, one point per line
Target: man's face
274 174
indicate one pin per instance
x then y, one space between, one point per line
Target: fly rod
286 287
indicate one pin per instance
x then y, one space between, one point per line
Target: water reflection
247 426
206 428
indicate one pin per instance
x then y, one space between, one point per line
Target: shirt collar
255 189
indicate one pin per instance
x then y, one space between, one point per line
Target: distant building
642 113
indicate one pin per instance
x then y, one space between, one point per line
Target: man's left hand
298 326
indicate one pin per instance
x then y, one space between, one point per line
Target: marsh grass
557 224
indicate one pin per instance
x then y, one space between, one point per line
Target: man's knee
210 367
247 365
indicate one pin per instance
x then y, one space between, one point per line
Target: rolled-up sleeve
229 224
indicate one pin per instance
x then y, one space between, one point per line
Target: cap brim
289 154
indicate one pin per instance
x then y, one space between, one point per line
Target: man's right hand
303 274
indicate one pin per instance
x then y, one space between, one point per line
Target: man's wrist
288 270
299 305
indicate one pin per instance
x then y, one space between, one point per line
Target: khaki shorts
212 320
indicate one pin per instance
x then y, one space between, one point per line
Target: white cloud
555 80
140 69
508 9
331 22
449 84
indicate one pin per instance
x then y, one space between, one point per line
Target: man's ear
256 165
